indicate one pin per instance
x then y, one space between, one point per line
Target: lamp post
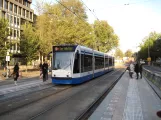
149 59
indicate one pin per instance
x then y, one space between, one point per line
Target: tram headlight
68 73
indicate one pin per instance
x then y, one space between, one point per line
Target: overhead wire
90 10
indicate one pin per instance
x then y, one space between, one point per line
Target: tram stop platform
130 99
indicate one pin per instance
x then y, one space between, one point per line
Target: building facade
17 12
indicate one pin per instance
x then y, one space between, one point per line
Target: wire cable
90 10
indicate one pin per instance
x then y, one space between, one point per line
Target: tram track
25 99
57 103
86 112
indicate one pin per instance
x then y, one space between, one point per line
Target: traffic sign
7 58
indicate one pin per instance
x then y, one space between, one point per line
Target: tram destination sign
63 48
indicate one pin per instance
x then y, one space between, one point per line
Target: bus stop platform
130 99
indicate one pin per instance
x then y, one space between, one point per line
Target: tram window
76 62
106 62
110 61
87 63
99 62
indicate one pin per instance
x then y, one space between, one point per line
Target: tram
75 64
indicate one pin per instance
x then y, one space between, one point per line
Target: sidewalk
130 99
5 89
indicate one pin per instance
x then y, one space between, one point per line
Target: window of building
19 10
15 20
15 33
12 33
18 33
24 2
18 21
11 19
31 15
27 14
23 12
15 8
29 4
1 3
8 17
3 14
6 4
18 46
11 6
20 1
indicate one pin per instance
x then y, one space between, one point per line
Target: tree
29 43
128 53
150 44
4 33
57 25
105 38
119 53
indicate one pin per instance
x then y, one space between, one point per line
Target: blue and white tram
77 64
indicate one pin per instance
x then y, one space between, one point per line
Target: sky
132 20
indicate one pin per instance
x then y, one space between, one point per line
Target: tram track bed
66 105
21 99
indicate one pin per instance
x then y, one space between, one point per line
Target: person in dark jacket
16 73
140 70
137 69
45 71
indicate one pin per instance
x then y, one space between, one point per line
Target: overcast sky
131 22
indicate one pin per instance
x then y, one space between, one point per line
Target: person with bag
16 73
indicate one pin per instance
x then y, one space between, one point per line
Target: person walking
137 69
140 70
16 73
131 69
44 71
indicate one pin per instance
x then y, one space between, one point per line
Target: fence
153 77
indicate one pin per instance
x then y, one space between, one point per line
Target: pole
7 71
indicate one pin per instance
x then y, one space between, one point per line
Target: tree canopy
4 45
105 38
57 25
29 43
119 53
128 53
153 43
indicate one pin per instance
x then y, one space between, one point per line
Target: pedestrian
16 73
137 69
131 69
44 71
140 70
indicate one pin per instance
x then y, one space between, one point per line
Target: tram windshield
63 60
